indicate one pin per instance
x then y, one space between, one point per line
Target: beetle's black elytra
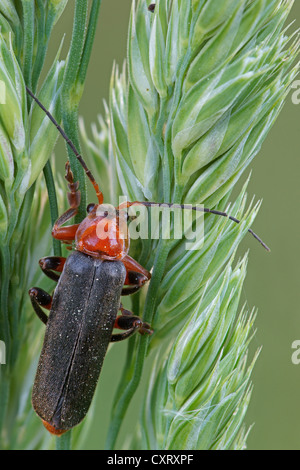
84 309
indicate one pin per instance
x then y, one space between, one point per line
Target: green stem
53 204
28 12
75 73
70 121
90 37
126 390
64 442
70 87
71 94
43 37
41 51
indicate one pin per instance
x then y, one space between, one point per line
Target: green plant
202 86
205 81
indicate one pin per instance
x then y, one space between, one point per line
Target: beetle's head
103 233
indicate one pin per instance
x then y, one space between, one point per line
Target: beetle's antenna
71 145
194 208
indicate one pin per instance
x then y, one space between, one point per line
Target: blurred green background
273 281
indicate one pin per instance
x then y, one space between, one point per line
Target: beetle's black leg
135 282
130 290
122 336
40 297
136 276
131 323
124 311
50 264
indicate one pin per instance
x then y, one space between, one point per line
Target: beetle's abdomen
84 308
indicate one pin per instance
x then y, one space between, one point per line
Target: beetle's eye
90 207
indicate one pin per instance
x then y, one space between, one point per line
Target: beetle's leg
132 265
124 311
131 323
136 276
67 234
40 297
50 264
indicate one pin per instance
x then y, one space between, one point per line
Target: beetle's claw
146 329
